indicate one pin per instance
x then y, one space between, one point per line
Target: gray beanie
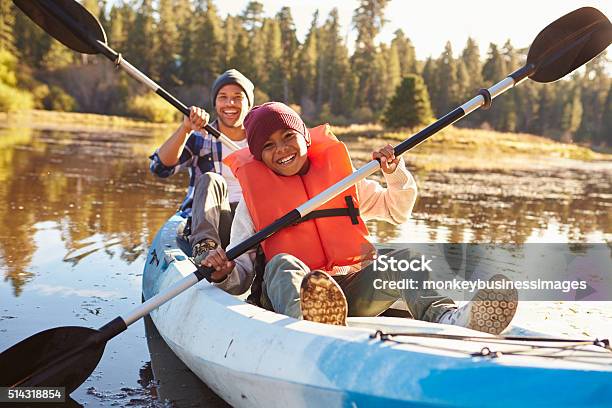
233 76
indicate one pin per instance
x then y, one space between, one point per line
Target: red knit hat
263 120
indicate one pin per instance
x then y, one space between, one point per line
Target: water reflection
556 205
175 383
94 189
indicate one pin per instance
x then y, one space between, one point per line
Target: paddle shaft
484 98
132 71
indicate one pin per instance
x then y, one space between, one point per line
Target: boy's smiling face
285 153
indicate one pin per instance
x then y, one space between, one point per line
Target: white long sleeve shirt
392 204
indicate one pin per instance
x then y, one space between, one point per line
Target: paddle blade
44 14
61 357
568 43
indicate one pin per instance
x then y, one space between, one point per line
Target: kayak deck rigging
599 349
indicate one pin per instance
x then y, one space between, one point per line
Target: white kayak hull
252 357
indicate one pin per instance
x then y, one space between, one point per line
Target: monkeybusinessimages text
385 263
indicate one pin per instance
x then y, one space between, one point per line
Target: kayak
252 357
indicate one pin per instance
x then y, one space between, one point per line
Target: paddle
73 352
71 24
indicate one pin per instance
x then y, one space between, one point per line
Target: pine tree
544 121
231 26
208 44
406 53
167 58
142 45
410 106
394 71
473 66
527 103
605 136
289 50
572 114
494 70
58 56
93 6
506 108
241 59
368 20
252 16
32 42
103 16
446 80
379 78
595 84
186 17
306 69
429 77
257 53
510 56
463 81
118 25
333 68
273 58
7 22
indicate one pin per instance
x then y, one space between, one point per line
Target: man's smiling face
231 105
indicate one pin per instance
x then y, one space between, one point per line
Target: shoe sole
322 300
493 310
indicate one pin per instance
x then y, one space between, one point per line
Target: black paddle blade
60 357
41 12
568 43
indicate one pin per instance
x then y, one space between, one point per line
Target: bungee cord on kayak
575 345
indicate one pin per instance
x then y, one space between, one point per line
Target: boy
318 270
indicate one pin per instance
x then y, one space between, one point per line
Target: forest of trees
185 44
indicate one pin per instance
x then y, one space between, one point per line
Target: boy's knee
282 263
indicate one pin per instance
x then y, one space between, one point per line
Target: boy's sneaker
322 300
490 311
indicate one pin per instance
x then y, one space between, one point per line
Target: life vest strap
350 211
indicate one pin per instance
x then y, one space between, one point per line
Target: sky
431 23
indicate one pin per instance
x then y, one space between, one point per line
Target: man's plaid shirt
202 153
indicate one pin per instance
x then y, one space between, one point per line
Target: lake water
78 210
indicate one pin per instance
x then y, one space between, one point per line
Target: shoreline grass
53 120
452 148
463 148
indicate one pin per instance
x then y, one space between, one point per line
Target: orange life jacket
321 243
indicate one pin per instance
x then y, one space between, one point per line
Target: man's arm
170 152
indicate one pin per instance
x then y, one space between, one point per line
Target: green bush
8 64
59 100
40 92
326 116
13 99
152 108
363 115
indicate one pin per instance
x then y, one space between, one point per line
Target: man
314 267
213 191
